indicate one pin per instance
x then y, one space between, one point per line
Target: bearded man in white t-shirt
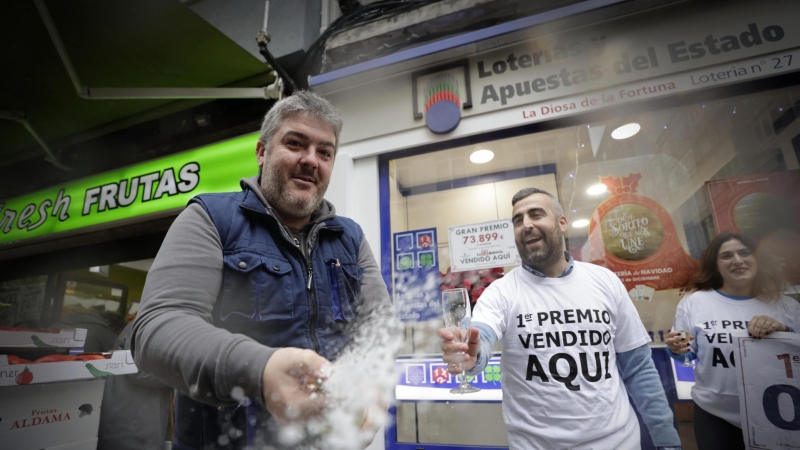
573 345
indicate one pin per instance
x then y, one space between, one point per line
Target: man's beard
280 198
549 252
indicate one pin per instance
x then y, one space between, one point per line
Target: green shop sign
147 188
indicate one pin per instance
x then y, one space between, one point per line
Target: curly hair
768 284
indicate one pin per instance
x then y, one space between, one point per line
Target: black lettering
718 358
489 94
538 85
525 342
553 339
555 316
552 82
606 317
569 334
585 368
573 370
607 375
773 33
677 52
483 73
595 337
499 67
524 61
583 337
584 315
538 340
535 369
541 317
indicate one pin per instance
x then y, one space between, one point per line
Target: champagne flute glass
457 319
684 334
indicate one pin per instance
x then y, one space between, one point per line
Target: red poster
634 236
766 207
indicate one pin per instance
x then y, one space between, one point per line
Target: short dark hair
557 208
768 284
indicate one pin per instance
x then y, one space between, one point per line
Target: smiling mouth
532 240
739 270
305 179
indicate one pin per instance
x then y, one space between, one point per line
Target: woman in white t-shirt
735 290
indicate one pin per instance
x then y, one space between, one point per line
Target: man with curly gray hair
254 292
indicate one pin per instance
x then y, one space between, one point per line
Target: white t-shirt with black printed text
561 386
712 318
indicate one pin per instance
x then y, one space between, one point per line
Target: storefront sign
416 275
634 236
482 246
679 48
765 207
146 188
768 370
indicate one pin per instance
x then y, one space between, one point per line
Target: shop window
22 302
645 207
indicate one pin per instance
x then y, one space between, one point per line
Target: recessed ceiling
146 43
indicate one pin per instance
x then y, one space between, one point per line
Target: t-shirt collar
567 271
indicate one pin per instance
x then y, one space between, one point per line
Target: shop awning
141 44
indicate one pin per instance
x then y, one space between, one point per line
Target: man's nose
310 157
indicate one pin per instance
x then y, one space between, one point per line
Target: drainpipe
287 85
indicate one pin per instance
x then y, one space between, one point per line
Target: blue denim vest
266 294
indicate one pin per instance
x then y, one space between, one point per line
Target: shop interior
677 151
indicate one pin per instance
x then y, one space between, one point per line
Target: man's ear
261 153
562 221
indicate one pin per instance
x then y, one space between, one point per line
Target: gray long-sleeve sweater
174 338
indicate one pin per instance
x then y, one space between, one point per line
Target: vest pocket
275 292
256 287
345 285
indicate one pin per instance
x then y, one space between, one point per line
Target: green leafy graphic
492 373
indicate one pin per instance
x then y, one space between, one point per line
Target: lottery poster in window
765 207
634 236
482 246
768 371
416 275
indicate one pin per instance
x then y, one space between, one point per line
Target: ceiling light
626 131
481 156
580 223
597 189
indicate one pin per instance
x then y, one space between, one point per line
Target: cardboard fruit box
42 338
52 415
116 363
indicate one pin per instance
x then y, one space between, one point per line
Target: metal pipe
62 51
90 93
23 119
174 93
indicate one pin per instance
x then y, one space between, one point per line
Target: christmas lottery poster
634 236
766 207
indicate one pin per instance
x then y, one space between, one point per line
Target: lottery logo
442 104
415 374
440 375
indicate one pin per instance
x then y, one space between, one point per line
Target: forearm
488 341
174 339
644 386
680 356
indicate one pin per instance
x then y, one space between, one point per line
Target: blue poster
416 275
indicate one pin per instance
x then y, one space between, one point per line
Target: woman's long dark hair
768 284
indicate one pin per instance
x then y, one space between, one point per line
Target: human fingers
756 325
455 368
474 342
445 334
454 347
773 326
455 358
